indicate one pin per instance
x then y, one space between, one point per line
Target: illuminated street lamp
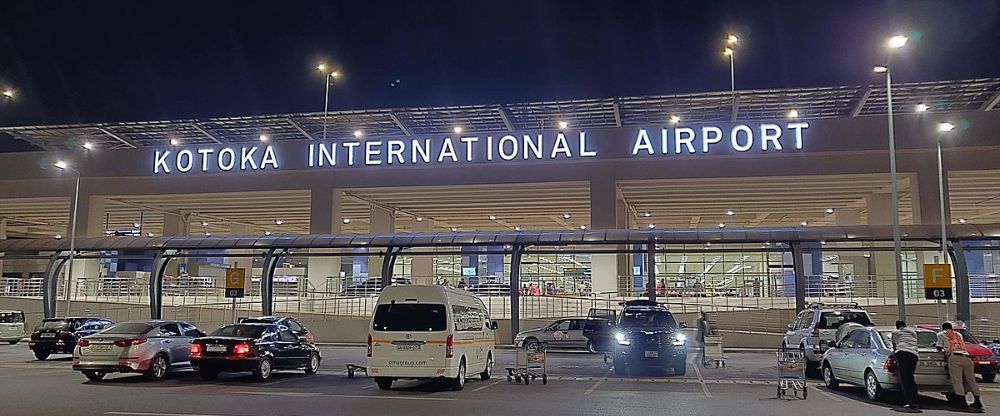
893 43
730 51
328 77
62 165
943 129
8 93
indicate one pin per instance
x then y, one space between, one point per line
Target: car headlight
679 340
622 340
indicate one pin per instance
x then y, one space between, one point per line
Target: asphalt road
579 384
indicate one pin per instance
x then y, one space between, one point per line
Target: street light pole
897 244
942 129
326 103
730 51
72 234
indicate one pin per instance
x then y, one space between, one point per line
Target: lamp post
328 77
730 51
72 231
894 42
943 128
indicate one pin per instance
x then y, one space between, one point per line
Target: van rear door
409 335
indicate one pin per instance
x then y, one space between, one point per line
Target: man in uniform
960 367
904 343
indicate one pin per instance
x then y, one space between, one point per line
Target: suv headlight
679 340
622 340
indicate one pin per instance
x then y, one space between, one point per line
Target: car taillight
131 342
890 364
241 349
195 350
369 345
449 347
309 338
82 343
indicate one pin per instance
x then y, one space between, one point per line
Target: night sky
89 61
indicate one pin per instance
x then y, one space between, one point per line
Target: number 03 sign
937 281
235 282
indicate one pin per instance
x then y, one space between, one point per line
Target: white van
423 332
11 326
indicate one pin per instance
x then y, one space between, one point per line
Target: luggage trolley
713 352
791 372
529 364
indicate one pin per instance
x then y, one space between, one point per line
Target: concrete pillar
847 216
883 266
3 236
879 209
90 223
175 225
925 195
382 221
325 217
422 267
604 215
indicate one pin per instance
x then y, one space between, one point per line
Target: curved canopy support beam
515 290
271 259
160 261
51 282
963 294
388 263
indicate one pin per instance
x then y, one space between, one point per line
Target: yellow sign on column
937 281
236 282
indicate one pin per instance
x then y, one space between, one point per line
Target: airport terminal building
712 164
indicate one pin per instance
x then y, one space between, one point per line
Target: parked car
258 348
293 325
372 287
983 358
59 335
11 326
648 337
490 289
816 326
864 358
152 348
580 333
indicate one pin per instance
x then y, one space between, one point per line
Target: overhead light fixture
204 223
922 107
61 164
563 124
279 222
457 129
722 225
566 216
583 227
804 223
58 236
867 255
454 229
358 134
321 67
419 219
647 214
267 233
493 217
88 145
208 234
793 113
674 119
880 69
728 51
962 220
150 235
732 39
136 225
346 220
174 142
9 93
708 244
517 228
897 41
263 137
652 226
945 127
822 243
829 210
730 213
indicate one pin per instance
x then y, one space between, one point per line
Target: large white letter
770 133
561 147
269 158
583 147
447 149
798 127
710 139
680 139
423 150
246 158
328 154
204 158
370 151
534 146
734 137
642 142
513 147
227 166
312 155
351 147
468 146
182 164
395 150
489 148
160 161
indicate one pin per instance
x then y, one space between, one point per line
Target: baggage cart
529 364
792 372
713 352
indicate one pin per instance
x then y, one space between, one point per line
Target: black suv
647 337
59 335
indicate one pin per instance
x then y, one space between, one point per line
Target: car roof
252 324
892 328
74 318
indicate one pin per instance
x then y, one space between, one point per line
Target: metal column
51 282
515 291
271 259
156 282
651 270
388 262
963 296
800 276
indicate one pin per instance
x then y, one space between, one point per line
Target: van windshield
11 317
410 317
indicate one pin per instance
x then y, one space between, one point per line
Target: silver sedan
863 357
149 347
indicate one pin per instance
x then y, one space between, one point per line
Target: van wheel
989 377
458 383
13 342
488 371
591 347
383 383
41 355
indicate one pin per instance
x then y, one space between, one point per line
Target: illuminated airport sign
487 148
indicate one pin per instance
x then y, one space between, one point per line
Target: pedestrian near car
904 342
960 368
704 328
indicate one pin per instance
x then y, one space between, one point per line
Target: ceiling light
208 234
583 227
730 213
727 51
321 67
60 164
708 244
922 107
652 226
647 214
136 225
823 243
674 119
263 137
279 222
204 223
566 216
457 129
9 93
897 41
493 217
732 39
793 113
58 236
867 255
804 223
516 228
945 127
88 145
454 229
563 124
722 225
346 220
150 235
829 210
962 220
881 69
419 219
358 134
174 142
267 233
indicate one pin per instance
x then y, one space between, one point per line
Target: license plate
48 335
652 354
101 347
408 347
931 363
216 348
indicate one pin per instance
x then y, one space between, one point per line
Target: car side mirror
493 325
684 324
789 327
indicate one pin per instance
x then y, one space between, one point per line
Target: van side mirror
493 325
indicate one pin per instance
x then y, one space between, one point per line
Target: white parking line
280 393
701 380
488 386
381 397
157 414
597 384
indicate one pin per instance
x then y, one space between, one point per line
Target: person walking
960 368
904 344
704 327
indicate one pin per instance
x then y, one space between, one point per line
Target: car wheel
592 348
458 383
488 371
828 378
13 342
157 368
41 355
383 383
989 377
680 367
313 366
94 375
208 375
263 371
529 341
872 389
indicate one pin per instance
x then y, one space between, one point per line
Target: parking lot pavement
579 384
